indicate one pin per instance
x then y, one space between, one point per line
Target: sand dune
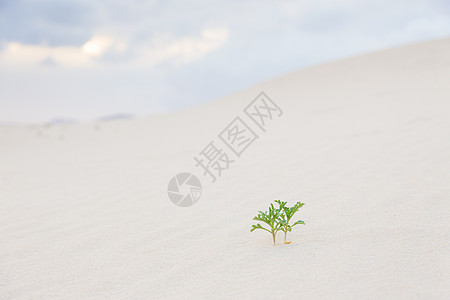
364 142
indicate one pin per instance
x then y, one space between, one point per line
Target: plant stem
273 236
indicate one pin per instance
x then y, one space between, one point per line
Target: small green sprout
278 219
286 216
271 219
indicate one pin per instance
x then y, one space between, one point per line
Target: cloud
99 44
16 54
185 49
55 23
162 49
48 62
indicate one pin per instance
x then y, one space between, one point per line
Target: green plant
286 216
278 219
271 219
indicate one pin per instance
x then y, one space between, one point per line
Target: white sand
364 142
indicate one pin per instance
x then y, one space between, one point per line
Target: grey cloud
327 21
48 62
52 22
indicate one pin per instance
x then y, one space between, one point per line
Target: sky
83 60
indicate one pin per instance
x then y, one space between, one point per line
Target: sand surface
364 142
